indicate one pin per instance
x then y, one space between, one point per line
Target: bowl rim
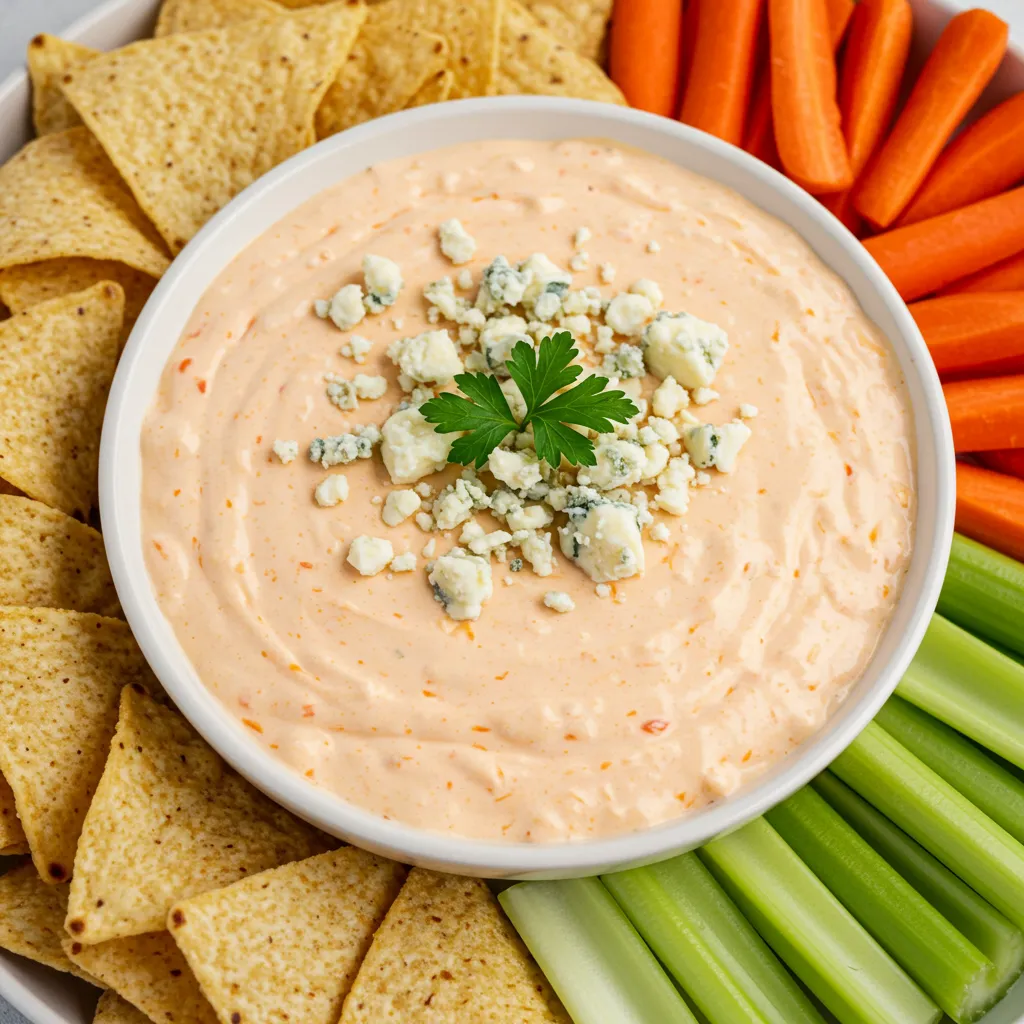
487 857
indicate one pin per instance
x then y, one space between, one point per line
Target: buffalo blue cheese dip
524 652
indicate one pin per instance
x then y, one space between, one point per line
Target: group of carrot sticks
820 89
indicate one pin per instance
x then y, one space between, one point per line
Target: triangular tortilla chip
49 560
12 835
434 90
472 29
49 58
582 25
391 60
445 952
112 1009
57 360
190 120
150 972
60 196
201 15
310 922
32 919
535 62
170 820
61 675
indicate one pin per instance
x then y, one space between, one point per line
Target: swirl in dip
700 649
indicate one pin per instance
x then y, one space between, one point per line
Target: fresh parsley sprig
484 416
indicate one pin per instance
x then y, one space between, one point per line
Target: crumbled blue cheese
344 448
656 457
341 392
532 517
514 397
464 279
424 490
456 242
559 601
705 396
583 300
659 532
603 590
331 491
499 336
669 398
579 262
578 325
748 411
286 451
619 464
710 445
383 279
606 272
501 285
547 283
344 309
430 357
605 340
582 236
399 505
625 362
537 550
356 348
485 543
520 470
653 246
665 429
425 521
369 388
369 555
516 565
403 563
461 584
411 448
457 502
602 537
682 346
445 303
628 314
674 487
650 290
429 548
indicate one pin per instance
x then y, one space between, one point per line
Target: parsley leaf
484 416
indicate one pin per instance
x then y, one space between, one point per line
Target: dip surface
744 633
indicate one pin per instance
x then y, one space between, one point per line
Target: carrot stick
974 335
1004 460
990 508
961 65
1007 276
986 414
718 91
691 20
984 161
926 256
840 205
839 14
644 57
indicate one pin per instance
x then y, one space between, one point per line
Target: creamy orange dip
755 612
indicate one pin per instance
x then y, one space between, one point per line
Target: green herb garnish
486 418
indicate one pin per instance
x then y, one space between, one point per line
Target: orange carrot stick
839 14
986 414
1005 460
961 65
924 257
691 22
644 53
1007 276
840 205
986 159
975 335
718 91
990 508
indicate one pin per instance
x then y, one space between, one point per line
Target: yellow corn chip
534 62
148 971
170 818
60 196
435 90
112 1009
61 674
473 29
580 25
49 59
190 120
56 363
12 835
49 560
200 15
445 952
391 60
309 922
32 919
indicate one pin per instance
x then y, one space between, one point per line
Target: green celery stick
591 954
812 932
984 592
970 686
953 971
999 939
714 954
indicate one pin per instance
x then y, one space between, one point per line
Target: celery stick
970 686
812 932
709 947
942 820
989 786
984 592
592 955
954 972
992 933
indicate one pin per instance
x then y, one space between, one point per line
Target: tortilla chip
445 952
12 835
436 90
581 25
49 59
473 29
61 674
172 820
150 972
60 196
391 60
190 120
49 560
57 360
32 919
311 922
534 62
201 15
112 1009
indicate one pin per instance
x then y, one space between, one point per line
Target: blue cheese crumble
344 309
462 583
559 601
369 555
427 358
686 348
399 505
602 536
286 451
383 279
710 445
342 449
456 242
331 491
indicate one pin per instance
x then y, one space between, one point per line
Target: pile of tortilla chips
146 866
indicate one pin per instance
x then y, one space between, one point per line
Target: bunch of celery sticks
888 891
